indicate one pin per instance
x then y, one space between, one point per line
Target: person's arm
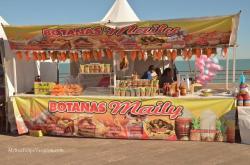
149 76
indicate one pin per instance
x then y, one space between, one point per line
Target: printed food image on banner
209 119
160 128
86 126
165 34
135 125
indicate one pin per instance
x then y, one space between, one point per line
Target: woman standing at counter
167 77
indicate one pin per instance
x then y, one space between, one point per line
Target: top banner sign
168 34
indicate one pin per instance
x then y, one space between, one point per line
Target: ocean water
183 68
241 65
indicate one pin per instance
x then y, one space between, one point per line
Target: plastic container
239 100
246 100
243 88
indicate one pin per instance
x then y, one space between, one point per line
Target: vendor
158 72
150 73
167 77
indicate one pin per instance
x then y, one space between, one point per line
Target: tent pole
57 72
234 62
15 74
114 68
227 66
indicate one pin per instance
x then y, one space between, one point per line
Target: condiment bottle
166 89
183 89
239 100
37 79
246 100
177 91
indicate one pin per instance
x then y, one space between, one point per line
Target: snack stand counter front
159 117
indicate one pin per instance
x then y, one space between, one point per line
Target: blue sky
30 12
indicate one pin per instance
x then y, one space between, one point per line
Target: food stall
133 108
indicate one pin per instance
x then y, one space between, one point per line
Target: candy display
66 90
137 87
43 88
243 88
174 90
243 98
140 91
138 83
95 68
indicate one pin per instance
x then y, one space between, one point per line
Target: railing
221 75
219 78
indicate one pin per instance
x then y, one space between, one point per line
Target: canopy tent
175 35
121 11
120 30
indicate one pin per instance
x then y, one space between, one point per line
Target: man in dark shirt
148 73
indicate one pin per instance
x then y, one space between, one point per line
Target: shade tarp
164 34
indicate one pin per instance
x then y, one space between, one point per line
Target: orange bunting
173 54
44 56
155 54
159 55
209 52
35 56
58 56
83 55
63 56
99 55
27 55
189 54
88 56
133 55
169 54
39 56
76 57
19 55
109 53
54 56
71 56
140 55
94 55
198 52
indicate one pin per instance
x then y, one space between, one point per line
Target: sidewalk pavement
86 151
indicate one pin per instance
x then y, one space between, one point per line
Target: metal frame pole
114 67
227 66
234 62
15 74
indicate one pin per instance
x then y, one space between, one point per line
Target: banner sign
168 34
207 119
